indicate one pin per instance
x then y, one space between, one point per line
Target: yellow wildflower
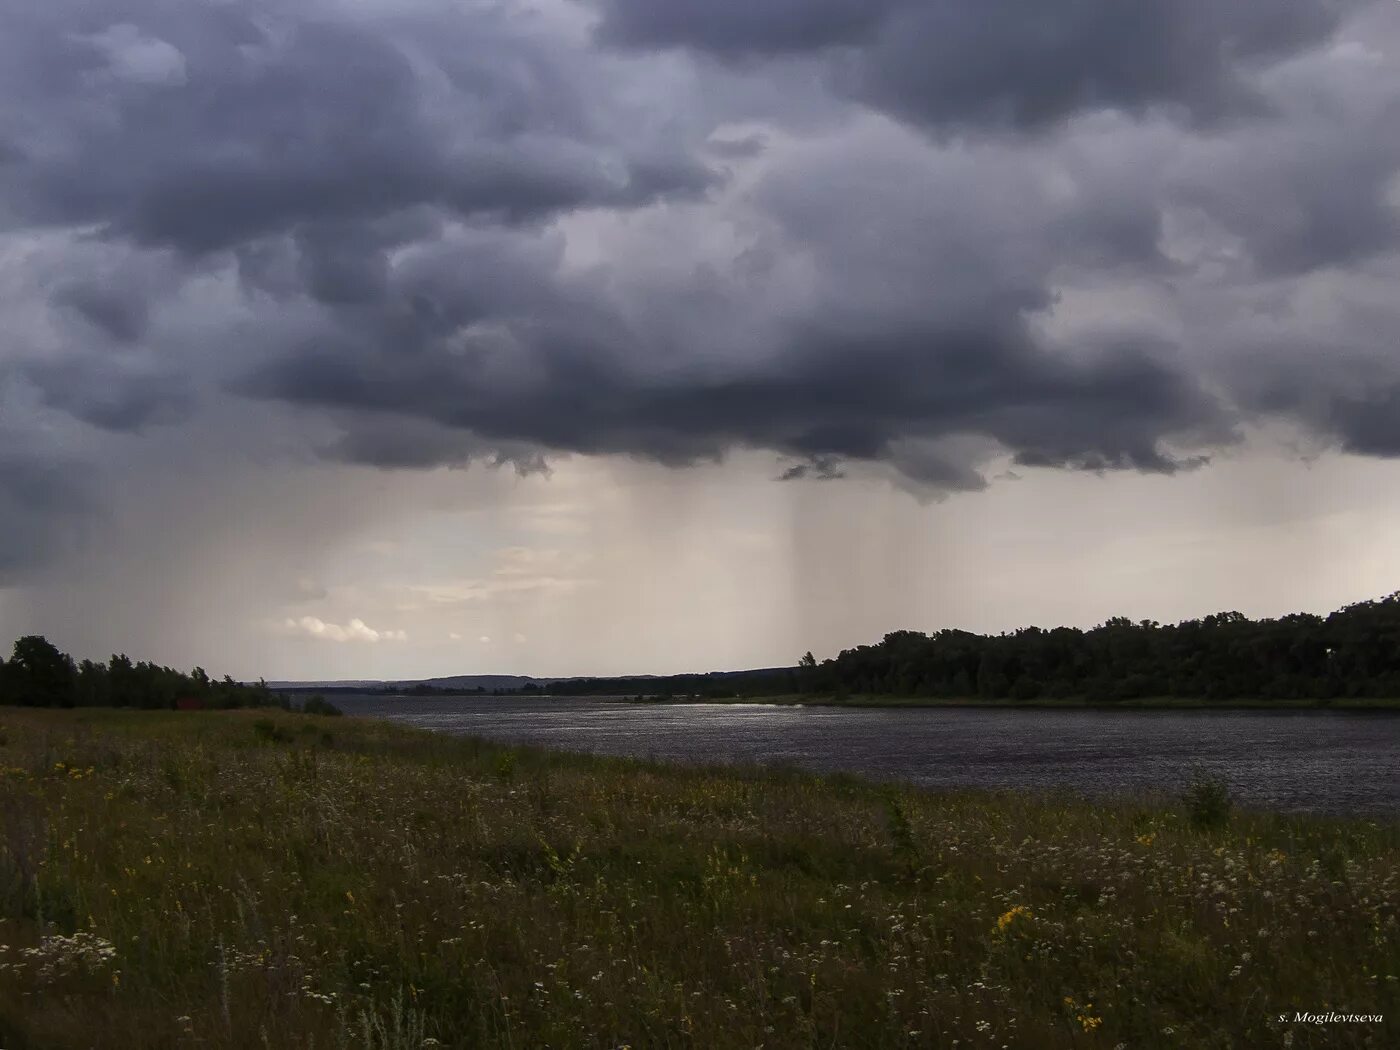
1018 911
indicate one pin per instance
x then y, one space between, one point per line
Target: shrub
504 765
906 852
319 705
270 733
1208 801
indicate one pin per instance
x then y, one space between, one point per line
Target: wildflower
58 955
1008 917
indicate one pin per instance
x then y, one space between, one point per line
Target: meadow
270 879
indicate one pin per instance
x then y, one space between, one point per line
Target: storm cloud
203 126
1016 63
928 240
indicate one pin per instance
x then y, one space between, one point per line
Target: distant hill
488 682
511 682
345 683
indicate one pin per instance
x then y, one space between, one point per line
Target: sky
401 338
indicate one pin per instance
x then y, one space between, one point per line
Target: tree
93 685
39 675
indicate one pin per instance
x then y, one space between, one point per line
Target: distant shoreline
1150 703
1389 704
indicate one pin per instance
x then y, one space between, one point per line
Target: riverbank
249 879
1168 703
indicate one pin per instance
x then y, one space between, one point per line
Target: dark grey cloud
1001 63
1368 425
461 234
107 395
1301 194
204 126
918 331
1356 409
819 468
732 29
119 312
488 338
853 401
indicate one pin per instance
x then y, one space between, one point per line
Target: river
1300 761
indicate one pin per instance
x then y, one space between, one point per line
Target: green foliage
1208 801
906 851
268 732
319 705
1353 653
394 889
39 675
179 887
393 1027
504 765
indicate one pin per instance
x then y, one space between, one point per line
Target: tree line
39 674
1351 653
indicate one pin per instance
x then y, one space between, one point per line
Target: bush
1025 689
1208 801
906 851
319 705
504 765
269 732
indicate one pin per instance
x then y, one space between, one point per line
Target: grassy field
252 879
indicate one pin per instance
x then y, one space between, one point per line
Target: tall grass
205 880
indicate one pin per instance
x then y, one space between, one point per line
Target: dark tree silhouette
39 675
1352 653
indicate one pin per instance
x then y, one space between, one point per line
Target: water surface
1323 761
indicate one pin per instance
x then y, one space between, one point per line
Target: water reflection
1325 761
